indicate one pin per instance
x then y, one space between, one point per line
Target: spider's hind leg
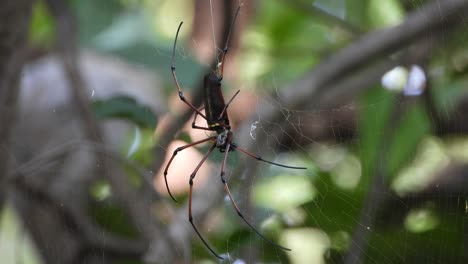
173 156
173 70
192 176
236 208
266 161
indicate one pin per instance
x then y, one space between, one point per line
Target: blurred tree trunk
14 23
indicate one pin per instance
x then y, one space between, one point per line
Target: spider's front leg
227 105
236 208
173 70
194 126
235 146
173 156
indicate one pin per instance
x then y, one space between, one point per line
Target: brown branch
69 53
377 193
15 17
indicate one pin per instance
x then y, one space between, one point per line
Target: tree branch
133 204
14 23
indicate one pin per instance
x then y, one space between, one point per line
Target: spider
217 120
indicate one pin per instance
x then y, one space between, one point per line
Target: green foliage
42 31
113 218
334 209
284 192
285 42
374 117
356 11
139 146
15 240
94 16
140 143
100 190
125 108
137 31
184 136
383 13
395 244
412 128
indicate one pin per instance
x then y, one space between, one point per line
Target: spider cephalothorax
222 139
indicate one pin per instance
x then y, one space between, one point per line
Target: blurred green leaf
139 146
401 139
113 219
396 244
126 30
306 243
100 190
184 136
285 43
374 114
335 8
356 12
430 160
125 108
448 91
383 13
95 16
42 32
284 192
411 130
421 220
334 209
15 239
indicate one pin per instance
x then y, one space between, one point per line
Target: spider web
338 181
326 222
319 213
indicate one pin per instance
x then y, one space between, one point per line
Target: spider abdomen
216 114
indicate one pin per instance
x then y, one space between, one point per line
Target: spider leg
239 213
260 159
225 50
194 126
173 70
227 105
192 176
173 156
